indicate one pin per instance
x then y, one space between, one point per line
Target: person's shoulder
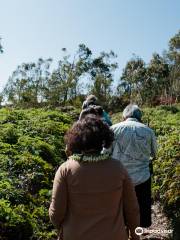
67 166
147 127
70 163
117 125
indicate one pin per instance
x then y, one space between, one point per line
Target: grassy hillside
31 149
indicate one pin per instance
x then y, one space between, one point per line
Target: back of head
90 100
92 109
132 111
91 133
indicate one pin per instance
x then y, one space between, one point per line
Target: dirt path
160 228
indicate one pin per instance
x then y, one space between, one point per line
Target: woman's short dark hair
93 109
91 133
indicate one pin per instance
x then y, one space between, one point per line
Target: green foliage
31 149
9 134
166 176
32 84
15 222
165 122
172 109
27 83
156 82
150 84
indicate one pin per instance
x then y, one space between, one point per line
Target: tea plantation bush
31 149
165 121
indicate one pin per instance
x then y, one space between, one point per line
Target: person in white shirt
135 145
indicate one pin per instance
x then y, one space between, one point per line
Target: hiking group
103 190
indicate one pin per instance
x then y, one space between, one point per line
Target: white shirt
134 144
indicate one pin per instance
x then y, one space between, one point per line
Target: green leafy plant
31 149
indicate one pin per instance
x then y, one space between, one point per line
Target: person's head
90 134
90 100
92 109
132 111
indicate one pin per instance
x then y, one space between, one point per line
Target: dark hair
90 100
91 133
93 109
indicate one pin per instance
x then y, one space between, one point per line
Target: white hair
132 110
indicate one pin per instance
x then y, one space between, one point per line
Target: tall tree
101 73
64 84
157 81
133 78
28 82
174 56
174 48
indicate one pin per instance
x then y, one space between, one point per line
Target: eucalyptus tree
28 82
174 56
133 78
1 95
101 74
157 82
174 48
64 84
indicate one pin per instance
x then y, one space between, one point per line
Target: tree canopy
81 73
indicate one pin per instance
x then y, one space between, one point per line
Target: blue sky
41 28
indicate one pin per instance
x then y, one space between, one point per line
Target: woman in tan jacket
93 197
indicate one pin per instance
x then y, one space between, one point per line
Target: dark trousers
143 193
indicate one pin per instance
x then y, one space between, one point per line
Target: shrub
31 149
15 222
9 134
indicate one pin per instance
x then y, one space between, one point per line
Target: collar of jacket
90 158
132 119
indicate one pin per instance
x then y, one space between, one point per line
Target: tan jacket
91 200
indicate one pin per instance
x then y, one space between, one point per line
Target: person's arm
130 207
58 206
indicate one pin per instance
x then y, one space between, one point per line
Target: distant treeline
158 82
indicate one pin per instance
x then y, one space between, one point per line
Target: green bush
31 149
9 134
15 222
172 109
165 121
